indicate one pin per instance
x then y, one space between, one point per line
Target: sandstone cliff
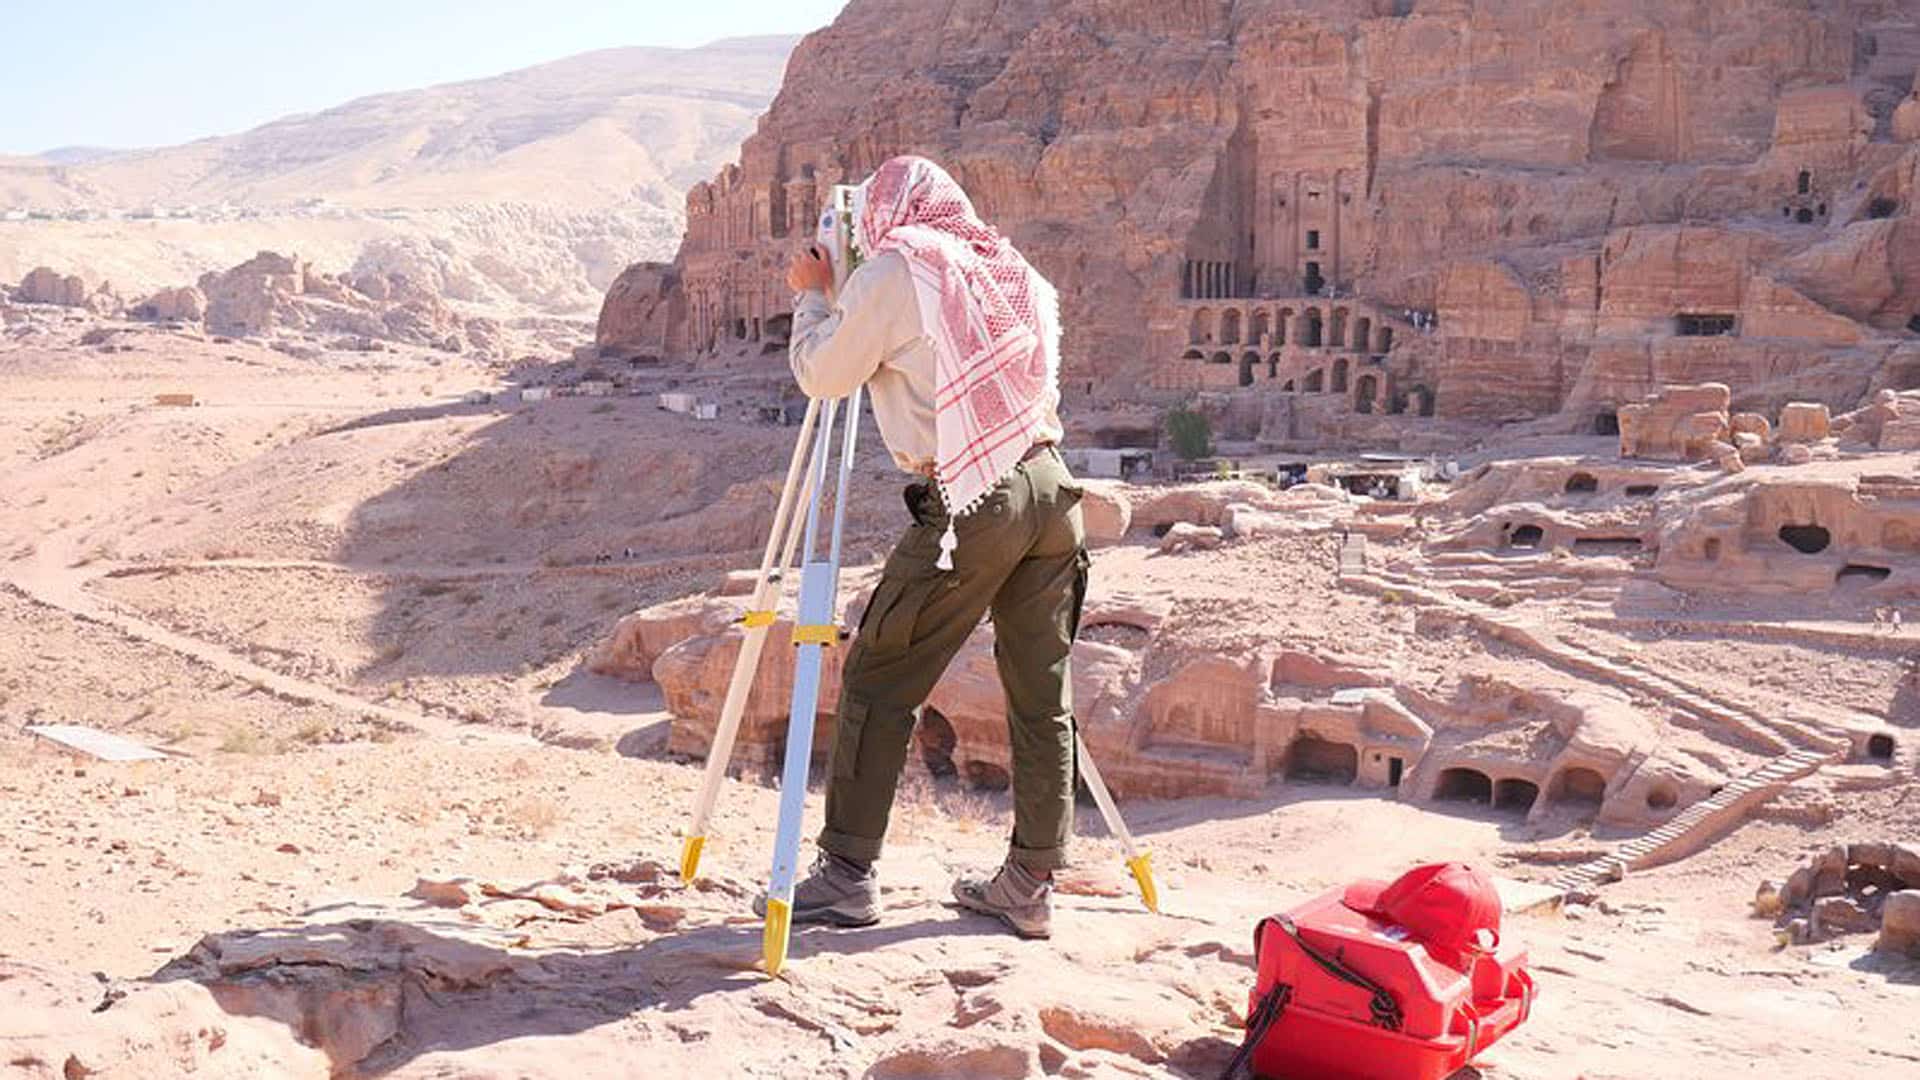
1399 212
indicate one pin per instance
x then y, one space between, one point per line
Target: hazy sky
124 74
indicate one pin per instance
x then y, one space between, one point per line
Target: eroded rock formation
271 293
1398 219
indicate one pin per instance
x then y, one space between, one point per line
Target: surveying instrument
816 628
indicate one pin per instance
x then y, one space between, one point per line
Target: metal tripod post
1139 860
759 620
816 629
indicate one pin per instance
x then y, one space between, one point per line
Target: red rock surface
1565 186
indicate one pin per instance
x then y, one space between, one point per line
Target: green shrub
1190 433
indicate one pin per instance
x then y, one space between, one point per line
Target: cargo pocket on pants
890 632
848 728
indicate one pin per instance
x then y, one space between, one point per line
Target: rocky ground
404 833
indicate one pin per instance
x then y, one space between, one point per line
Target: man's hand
811 270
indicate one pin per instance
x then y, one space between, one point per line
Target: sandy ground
356 611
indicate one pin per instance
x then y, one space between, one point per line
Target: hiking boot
1014 896
835 893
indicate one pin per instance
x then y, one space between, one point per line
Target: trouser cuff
860 849
1045 860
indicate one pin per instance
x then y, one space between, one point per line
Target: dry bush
535 815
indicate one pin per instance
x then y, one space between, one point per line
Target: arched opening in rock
1311 759
988 776
1248 362
1515 794
1314 283
1607 423
1195 356
1258 329
1316 382
1642 491
1201 332
1582 483
936 740
1806 539
1662 797
1315 333
1858 574
1223 357
1421 399
1273 366
1386 341
1464 785
1880 747
1230 327
1804 216
1578 785
1362 335
1528 537
1366 394
1340 376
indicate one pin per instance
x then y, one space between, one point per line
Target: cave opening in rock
1582 483
1578 785
1311 759
936 739
1804 216
1806 182
1315 333
1515 794
1464 785
1712 549
1396 771
1806 539
1607 423
1882 208
1662 798
1880 747
1248 364
1527 537
1690 324
1913 324
1860 574
1607 545
1642 491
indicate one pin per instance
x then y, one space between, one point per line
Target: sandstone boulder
1900 924
1680 423
184 304
1188 537
1108 512
43 286
1805 422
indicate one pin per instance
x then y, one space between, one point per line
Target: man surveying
957 339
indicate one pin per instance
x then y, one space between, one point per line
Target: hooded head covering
993 321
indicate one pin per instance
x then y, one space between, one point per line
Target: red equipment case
1451 1006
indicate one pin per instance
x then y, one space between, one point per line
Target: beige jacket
874 336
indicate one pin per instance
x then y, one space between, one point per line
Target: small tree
1190 433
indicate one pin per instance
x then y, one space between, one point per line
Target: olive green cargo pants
1022 556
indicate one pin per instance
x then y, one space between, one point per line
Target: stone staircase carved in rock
1698 825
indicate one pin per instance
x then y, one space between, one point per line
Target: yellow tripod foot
779 925
1142 867
690 858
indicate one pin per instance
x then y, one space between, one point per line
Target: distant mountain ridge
600 129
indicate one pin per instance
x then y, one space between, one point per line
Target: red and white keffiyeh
993 320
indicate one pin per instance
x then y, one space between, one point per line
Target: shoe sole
839 920
1019 931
